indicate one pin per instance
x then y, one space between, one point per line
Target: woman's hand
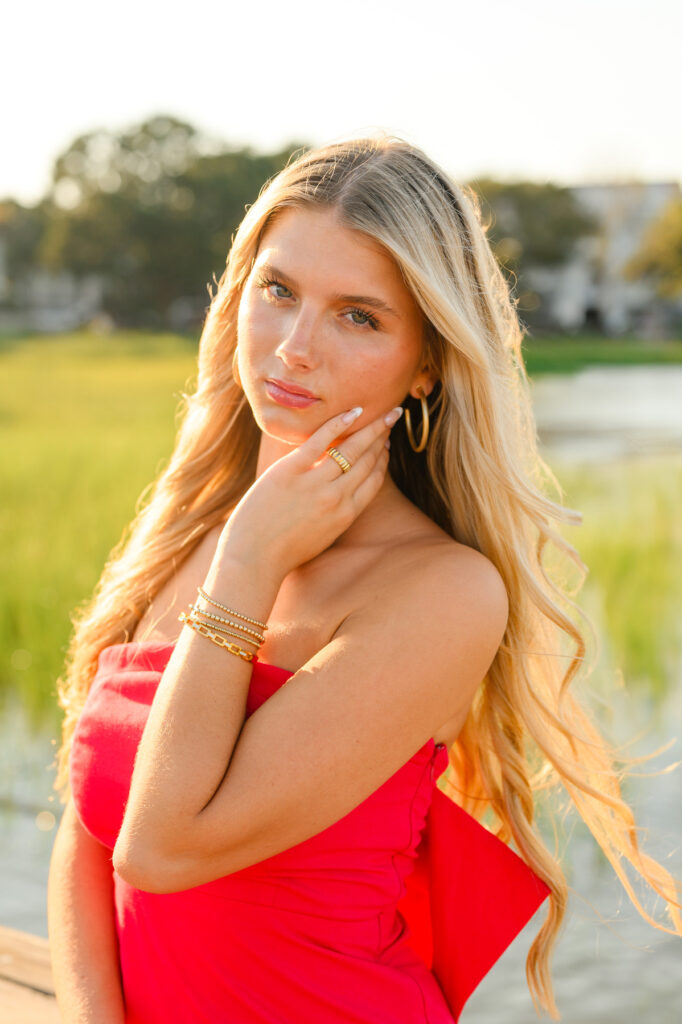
304 501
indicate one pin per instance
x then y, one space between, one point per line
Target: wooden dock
26 988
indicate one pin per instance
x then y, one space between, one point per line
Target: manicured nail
393 416
352 414
388 443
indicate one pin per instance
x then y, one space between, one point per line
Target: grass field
87 422
566 354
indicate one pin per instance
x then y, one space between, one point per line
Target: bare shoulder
436 602
453 573
441 576
447 575
469 601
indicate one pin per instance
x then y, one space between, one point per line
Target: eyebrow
365 300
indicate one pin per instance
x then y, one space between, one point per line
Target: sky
570 93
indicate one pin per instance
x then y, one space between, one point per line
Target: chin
277 428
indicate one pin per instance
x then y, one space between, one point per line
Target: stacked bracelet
229 622
211 600
215 632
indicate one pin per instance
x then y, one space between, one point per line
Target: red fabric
467 900
391 916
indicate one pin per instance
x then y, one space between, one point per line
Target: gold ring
339 458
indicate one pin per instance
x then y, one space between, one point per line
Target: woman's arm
294 510
81 926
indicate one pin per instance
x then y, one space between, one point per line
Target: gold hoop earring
235 370
425 423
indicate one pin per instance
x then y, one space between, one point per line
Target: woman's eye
271 283
367 319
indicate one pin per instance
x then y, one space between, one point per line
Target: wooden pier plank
25 958
26 986
21 1005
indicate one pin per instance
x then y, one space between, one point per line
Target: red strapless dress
392 915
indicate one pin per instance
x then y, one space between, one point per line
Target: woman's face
325 309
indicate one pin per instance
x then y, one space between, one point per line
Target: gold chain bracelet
212 600
215 638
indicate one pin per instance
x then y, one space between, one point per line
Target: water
610 412
610 966
29 815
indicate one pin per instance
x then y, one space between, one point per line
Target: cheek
254 331
381 369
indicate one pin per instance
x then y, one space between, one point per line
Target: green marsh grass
569 353
86 423
631 541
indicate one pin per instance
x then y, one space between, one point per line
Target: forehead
313 241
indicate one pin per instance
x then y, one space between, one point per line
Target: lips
293 389
289 399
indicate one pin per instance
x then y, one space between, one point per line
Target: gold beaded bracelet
211 600
216 638
228 622
221 629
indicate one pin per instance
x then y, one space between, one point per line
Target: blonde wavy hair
481 479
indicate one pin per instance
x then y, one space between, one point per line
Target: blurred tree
21 229
660 255
153 210
530 224
141 163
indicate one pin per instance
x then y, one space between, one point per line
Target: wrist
250 556
248 587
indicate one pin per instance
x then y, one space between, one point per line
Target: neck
271 450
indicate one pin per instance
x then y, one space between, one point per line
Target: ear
427 378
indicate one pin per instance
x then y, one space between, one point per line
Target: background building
591 290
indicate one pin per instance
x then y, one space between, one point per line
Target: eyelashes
268 282
370 320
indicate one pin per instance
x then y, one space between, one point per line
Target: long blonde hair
481 479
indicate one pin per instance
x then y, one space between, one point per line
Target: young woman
324 609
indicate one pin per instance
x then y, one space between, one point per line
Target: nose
299 345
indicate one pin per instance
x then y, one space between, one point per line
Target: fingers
365 462
364 446
320 440
369 486
335 431
352 445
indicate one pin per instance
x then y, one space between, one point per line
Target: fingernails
352 414
393 416
388 443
